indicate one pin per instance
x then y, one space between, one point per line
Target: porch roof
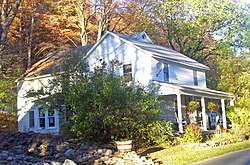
194 90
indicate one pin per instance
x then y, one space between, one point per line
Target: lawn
186 154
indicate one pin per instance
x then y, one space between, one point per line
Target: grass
186 154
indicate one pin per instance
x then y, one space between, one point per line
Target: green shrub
192 134
159 132
101 107
155 133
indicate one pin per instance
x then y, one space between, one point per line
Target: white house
179 79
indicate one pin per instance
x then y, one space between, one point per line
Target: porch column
179 112
204 117
224 119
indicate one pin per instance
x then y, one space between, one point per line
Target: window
166 72
51 117
127 72
31 119
46 118
195 78
42 117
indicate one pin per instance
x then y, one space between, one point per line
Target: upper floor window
127 72
195 76
166 72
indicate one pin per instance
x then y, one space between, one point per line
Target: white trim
204 115
179 113
201 68
195 90
224 119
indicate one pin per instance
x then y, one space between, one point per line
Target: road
235 158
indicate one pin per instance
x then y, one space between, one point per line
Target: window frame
46 118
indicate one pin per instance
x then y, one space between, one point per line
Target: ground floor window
31 119
46 118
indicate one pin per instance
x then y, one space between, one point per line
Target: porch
176 99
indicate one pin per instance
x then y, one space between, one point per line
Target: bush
8 121
106 109
155 133
192 134
101 107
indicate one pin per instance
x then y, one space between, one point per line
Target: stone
58 155
19 157
143 158
3 156
5 152
55 163
108 152
31 150
69 162
69 152
10 158
149 162
28 158
100 151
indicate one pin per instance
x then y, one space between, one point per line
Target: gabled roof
140 40
161 51
53 61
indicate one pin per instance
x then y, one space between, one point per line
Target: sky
245 1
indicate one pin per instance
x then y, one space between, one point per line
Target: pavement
241 157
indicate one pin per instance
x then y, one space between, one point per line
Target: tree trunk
7 16
31 36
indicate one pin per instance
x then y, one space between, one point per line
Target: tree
235 78
8 14
189 26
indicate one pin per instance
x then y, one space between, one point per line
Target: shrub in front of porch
192 134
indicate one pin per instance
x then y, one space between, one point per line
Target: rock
69 152
10 158
3 156
84 147
28 158
55 163
108 152
58 155
19 157
68 162
31 150
149 162
100 151
143 158
5 152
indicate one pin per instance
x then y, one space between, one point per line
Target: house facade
178 78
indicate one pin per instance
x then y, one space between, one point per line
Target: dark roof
53 61
161 51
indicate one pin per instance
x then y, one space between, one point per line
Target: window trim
46 118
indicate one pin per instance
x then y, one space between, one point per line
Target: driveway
235 158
